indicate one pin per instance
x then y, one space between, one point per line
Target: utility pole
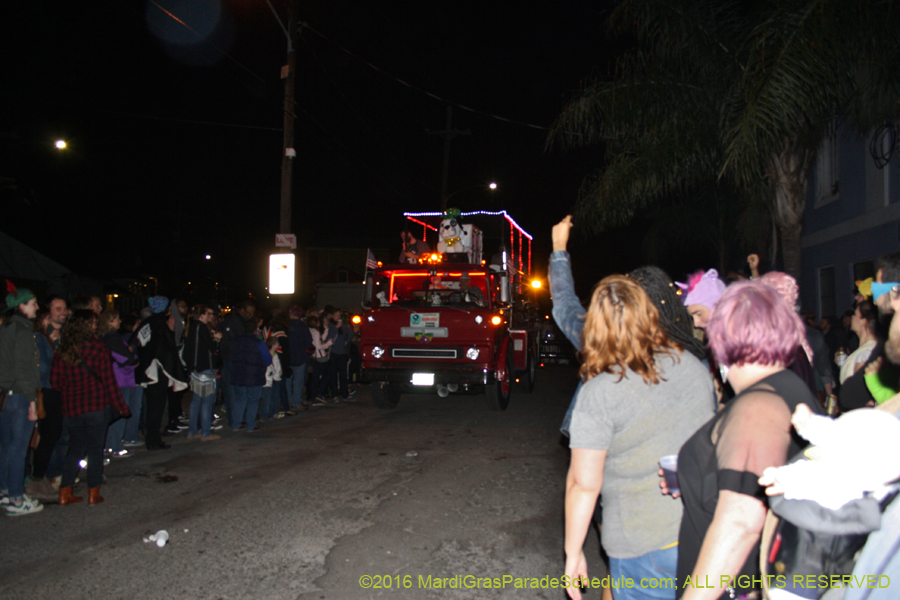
288 151
448 135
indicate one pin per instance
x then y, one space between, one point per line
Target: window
827 304
827 184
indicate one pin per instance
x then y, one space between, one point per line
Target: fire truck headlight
473 353
496 320
479 319
370 319
377 352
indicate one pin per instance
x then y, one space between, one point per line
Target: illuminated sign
281 273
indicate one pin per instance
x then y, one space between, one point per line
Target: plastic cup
162 536
669 465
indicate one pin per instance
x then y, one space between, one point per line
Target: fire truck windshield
423 288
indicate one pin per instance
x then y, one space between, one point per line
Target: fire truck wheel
385 394
497 393
530 373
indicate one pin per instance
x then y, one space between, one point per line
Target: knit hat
702 288
158 304
15 296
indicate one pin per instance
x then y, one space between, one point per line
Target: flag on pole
371 263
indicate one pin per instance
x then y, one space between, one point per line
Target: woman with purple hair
753 335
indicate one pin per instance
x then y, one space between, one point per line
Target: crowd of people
711 372
81 384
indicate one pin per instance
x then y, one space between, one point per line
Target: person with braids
643 397
82 373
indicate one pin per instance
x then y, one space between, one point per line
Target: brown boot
66 497
94 496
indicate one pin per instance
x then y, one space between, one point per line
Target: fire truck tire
497 393
530 373
385 394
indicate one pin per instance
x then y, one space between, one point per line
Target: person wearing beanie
700 295
159 371
20 378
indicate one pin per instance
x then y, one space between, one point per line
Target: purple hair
752 324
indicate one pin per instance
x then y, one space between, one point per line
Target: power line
423 91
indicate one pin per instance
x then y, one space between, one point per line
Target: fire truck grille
424 353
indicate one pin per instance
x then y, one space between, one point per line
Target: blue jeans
134 398
58 458
653 575
201 414
114 434
281 394
268 402
87 432
15 434
246 405
296 383
228 394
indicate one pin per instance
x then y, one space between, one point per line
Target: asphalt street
312 505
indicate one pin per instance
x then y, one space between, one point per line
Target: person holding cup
642 397
754 336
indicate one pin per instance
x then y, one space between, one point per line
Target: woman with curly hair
643 396
82 372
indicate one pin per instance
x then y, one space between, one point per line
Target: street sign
286 240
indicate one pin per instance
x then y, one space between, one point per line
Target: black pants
342 366
175 410
156 398
50 428
87 436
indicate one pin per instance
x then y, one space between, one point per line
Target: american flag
371 263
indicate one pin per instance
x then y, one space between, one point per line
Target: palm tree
741 92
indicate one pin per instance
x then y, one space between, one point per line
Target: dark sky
174 127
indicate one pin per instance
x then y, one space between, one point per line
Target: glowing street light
61 144
208 257
493 185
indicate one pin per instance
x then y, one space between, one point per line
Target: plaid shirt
83 392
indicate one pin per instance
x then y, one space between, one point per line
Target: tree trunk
789 171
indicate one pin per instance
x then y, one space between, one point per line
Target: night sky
175 127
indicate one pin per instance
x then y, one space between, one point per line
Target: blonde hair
622 331
106 318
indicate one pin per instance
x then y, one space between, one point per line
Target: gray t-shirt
637 423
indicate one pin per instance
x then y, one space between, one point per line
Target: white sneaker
25 506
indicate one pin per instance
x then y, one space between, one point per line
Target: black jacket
200 349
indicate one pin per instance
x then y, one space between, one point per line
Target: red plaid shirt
83 392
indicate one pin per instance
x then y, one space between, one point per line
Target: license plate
423 379
425 320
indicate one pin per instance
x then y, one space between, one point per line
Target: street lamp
61 144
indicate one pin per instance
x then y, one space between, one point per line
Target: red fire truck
452 321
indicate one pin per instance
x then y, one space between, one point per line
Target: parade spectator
643 396
59 314
201 358
752 335
124 361
238 322
50 424
268 403
278 328
159 369
20 378
700 295
789 292
321 354
129 325
300 348
863 324
250 357
340 353
83 374
91 303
